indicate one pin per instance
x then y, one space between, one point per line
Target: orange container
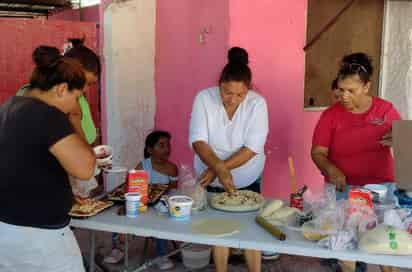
137 182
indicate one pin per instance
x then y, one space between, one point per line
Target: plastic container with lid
132 204
115 176
380 189
196 256
180 207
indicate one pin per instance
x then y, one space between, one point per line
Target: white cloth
38 250
248 128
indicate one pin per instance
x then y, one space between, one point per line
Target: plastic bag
317 202
393 218
83 188
328 220
342 240
360 213
398 218
386 240
189 186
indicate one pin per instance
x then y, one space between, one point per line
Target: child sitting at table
161 171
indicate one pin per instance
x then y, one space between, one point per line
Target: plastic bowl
196 256
104 153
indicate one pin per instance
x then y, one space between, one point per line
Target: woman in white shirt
228 130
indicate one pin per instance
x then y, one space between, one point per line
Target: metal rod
126 251
92 250
154 261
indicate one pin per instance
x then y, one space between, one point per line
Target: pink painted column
184 66
274 34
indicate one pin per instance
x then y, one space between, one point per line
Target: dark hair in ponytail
88 59
334 84
237 68
152 139
53 69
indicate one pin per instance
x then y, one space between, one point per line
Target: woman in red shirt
347 143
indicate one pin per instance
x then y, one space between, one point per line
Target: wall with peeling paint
129 50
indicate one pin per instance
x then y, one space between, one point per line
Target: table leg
126 251
92 250
388 269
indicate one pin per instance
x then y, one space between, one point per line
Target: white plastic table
250 236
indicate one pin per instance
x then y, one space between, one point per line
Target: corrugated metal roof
31 8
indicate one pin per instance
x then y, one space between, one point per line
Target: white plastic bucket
180 207
132 204
196 256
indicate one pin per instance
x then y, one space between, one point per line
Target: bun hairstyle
43 55
356 64
53 69
76 41
237 68
88 59
238 55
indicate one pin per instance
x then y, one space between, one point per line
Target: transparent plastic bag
83 188
329 220
317 202
395 218
361 215
342 240
386 240
189 186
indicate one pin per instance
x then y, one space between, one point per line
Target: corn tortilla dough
217 227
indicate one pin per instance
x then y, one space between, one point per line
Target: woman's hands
207 177
217 167
223 174
337 177
386 139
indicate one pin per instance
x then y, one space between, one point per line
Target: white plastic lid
133 197
115 169
181 199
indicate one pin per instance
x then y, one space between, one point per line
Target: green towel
23 89
87 123
88 126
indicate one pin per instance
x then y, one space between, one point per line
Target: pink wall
274 34
311 174
90 14
183 66
22 36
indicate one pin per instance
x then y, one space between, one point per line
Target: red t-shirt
353 141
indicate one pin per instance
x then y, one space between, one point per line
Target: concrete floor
284 264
